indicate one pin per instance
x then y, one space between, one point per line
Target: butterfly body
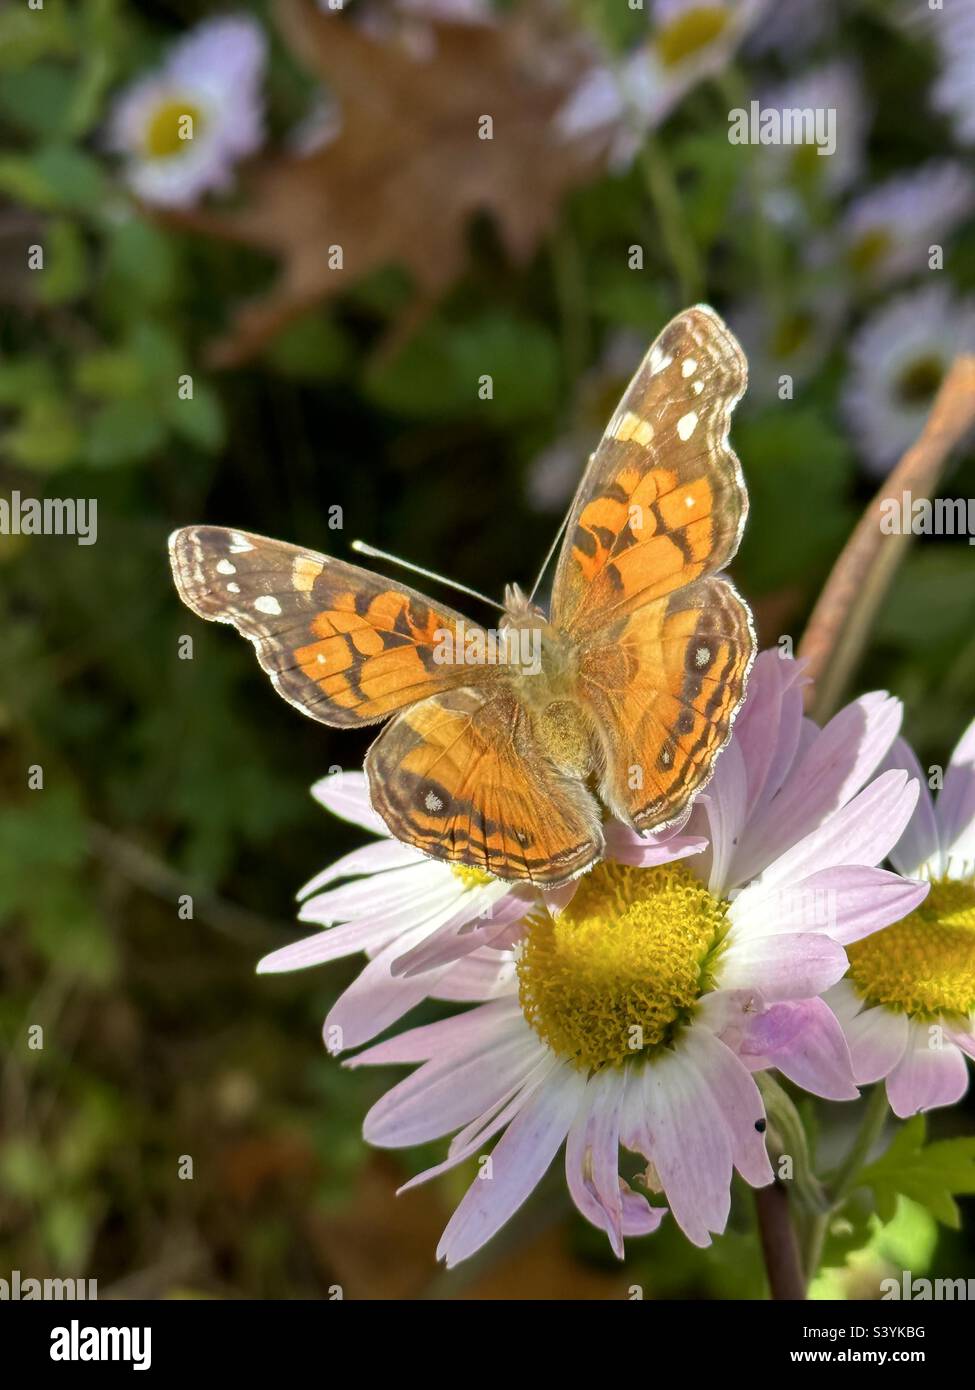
499 743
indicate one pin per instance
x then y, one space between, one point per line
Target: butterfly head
519 611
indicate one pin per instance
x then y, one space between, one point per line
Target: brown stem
837 631
780 1248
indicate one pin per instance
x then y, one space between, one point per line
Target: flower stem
780 1248
844 1181
676 238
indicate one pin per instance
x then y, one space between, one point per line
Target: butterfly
636 674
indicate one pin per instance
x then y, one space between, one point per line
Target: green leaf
56 178
38 99
140 264
65 274
46 436
312 349
124 431
200 420
930 1174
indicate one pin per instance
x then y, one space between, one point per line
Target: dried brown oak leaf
400 181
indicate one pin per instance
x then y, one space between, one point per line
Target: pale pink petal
446 1093
926 1076
691 1150
486 915
724 805
738 1099
402 891
592 1156
373 858
955 809
730 1013
878 1040
639 1217
518 1162
816 1056
848 902
476 1030
862 832
920 841
373 1001
484 975
625 846
328 945
844 1001
963 1038
782 967
346 794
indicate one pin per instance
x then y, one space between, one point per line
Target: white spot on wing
225 567
687 424
689 367
702 656
267 603
233 588
432 802
238 544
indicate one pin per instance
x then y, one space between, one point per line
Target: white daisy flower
639 1012
833 87
953 93
688 42
908 1002
888 231
430 929
793 27
898 359
791 342
184 128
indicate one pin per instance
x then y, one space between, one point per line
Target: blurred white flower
555 472
888 231
688 42
834 86
898 360
790 341
953 94
185 127
792 27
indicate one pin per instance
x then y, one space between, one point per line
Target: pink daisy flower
636 1016
430 929
908 1001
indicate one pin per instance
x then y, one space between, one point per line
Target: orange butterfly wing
665 643
344 646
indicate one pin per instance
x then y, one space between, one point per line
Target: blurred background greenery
164 777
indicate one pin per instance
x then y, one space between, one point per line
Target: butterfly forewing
663 501
343 645
665 644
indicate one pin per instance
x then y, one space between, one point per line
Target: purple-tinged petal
639 1217
328 945
518 1163
919 842
373 1001
724 805
823 779
484 975
488 921
730 1014
767 727
404 892
878 1040
926 1076
625 846
816 1057
793 966
963 1038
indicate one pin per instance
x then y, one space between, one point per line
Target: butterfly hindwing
341 644
461 777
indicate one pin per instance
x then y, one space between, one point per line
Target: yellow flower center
691 31
174 125
792 333
920 380
619 972
871 248
925 964
471 878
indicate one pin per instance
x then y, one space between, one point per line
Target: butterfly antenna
551 551
363 549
